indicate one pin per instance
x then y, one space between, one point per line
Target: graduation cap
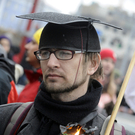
67 31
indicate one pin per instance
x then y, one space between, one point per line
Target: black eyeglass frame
38 52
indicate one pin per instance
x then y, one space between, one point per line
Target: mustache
55 72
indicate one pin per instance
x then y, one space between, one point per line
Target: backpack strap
117 129
17 118
89 117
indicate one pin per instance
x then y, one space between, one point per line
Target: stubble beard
64 87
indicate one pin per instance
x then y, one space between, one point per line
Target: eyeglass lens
59 54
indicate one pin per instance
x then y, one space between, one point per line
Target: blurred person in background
108 96
117 79
128 97
26 66
8 92
9 50
6 43
34 75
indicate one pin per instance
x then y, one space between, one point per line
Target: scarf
66 112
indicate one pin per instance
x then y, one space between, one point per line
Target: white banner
130 91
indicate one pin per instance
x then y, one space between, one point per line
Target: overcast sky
70 6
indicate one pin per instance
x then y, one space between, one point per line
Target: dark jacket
46 116
8 93
32 123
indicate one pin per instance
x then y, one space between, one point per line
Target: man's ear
94 64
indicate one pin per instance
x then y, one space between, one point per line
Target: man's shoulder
9 106
6 111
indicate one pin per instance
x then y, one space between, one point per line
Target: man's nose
53 62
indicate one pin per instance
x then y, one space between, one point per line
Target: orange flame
78 131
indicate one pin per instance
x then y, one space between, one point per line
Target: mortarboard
67 31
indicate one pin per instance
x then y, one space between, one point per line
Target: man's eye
64 53
44 53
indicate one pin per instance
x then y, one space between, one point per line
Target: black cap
67 31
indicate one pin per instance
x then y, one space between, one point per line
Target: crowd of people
70 77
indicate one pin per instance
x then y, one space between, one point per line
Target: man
69 57
34 75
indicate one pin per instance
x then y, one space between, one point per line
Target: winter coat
31 124
30 91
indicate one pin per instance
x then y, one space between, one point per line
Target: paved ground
128 121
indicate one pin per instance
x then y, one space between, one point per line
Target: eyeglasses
59 54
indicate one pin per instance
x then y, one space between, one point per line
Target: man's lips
53 76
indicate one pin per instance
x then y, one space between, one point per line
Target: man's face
108 65
63 75
6 44
30 48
